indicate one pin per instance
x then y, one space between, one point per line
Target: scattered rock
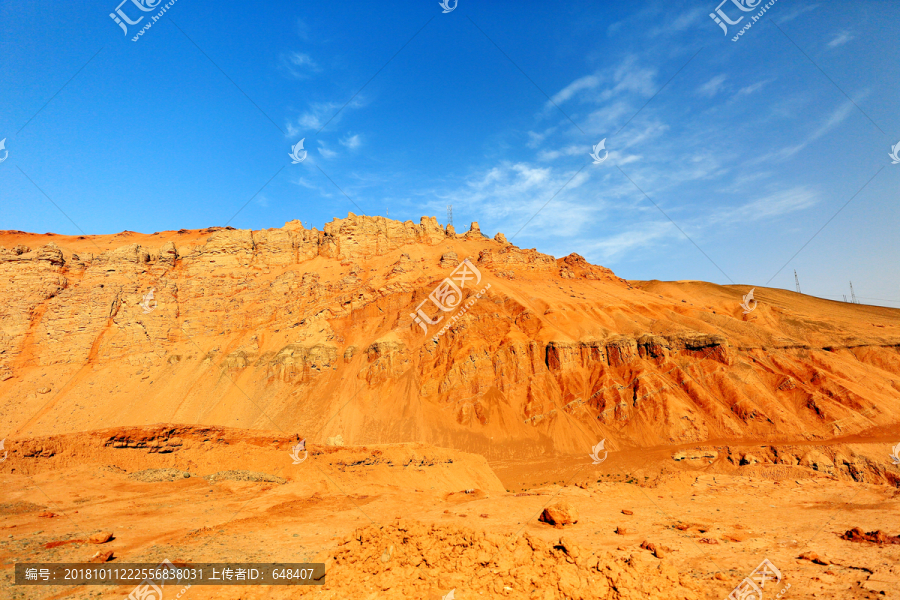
43 390
101 538
621 531
158 475
559 514
48 515
627 512
449 259
658 551
707 541
235 475
812 556
101 557
876 537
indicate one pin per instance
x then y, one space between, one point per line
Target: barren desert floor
395 521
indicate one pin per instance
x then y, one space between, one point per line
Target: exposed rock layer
308 331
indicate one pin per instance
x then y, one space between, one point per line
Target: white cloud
299 65
318 115
352 141
772 205
753 87
713 86
643 236
837 117
587 82
841 39
324 151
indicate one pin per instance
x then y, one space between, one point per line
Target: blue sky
750 148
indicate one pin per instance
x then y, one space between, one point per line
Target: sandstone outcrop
336 332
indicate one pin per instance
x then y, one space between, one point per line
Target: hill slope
310 332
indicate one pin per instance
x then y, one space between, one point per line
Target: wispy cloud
317 115
841 39
838 116
324 150
713 86
299 65
352 142
769 206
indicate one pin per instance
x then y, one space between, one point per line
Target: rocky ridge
301 330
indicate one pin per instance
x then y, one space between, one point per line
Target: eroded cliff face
314 333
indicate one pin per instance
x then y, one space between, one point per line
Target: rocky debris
621 531
43 390
707 541
337 440
875 537
657 550
449 260
625 511
238 475
101 537
159 475
501 239
428 561
403 265
559 514
101 556
813 557
695 455
748 459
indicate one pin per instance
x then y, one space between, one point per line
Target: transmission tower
853 295
450 215
845 297
797 281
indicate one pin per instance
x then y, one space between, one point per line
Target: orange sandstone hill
311 333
